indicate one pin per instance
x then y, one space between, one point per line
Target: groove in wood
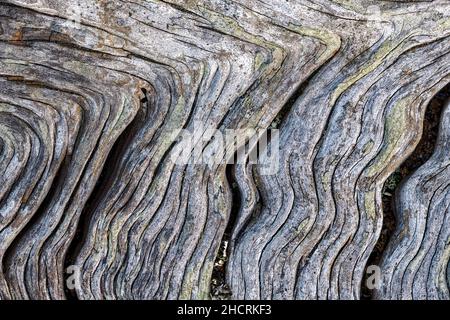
94 95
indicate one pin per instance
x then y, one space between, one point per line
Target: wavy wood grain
92 94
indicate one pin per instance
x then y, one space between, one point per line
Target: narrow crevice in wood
102 186
219 288
418 157
288 106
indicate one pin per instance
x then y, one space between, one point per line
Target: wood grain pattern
93 93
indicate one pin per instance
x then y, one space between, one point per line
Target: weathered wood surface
91 92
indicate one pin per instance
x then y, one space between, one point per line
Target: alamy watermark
373 280
73 280
209 146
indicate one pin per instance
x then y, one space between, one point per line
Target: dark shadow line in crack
103 185
219 288
418 157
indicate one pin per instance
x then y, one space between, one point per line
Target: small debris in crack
219 289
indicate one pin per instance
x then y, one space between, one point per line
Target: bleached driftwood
91 93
